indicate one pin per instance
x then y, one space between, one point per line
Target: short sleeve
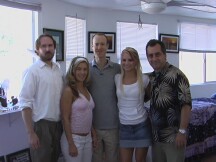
117 79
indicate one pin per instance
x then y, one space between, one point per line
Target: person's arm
66 102
147 92
185 116
27 118
181 138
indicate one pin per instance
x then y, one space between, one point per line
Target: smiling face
81 71
156 58
99 46
127 62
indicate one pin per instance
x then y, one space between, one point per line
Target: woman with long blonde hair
132 89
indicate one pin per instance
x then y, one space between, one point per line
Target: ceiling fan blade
204 2
183 3
202 8
198 5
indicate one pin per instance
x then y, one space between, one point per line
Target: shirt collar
164 69
109 63
43 64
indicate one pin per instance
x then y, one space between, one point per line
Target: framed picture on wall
171 42
19 156
111 36
58 35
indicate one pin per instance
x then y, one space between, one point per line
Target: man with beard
40 102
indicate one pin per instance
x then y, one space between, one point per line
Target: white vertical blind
75 38
129 35
199 37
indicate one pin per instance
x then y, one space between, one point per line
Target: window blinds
197 37
128 35
75 37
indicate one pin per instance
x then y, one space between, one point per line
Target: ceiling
134 5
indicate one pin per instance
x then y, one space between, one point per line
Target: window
75 38
129 35
198 52
17 37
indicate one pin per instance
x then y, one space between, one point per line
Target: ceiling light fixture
153 7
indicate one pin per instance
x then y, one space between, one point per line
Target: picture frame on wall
58 36
171 42
111 36
19 156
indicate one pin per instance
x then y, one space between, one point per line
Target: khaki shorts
108 146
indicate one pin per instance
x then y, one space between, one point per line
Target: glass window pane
16 42
146 67
192 65
210 67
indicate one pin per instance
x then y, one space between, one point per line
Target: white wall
13 136
54 11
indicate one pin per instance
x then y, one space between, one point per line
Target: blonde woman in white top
132 89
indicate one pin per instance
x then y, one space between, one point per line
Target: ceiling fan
157 6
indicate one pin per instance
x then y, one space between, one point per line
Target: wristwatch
182 131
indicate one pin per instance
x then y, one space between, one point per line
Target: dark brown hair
154 42
38 41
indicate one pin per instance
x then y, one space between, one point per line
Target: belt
81 134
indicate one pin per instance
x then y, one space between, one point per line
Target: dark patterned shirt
170 91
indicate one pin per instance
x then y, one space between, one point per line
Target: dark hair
38 41
154 42
100 34
70 78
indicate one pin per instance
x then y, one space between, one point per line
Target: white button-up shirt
41 91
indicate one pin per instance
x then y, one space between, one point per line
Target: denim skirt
139 135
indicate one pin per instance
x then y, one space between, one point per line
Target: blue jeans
138 135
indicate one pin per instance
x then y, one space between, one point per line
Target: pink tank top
81 117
